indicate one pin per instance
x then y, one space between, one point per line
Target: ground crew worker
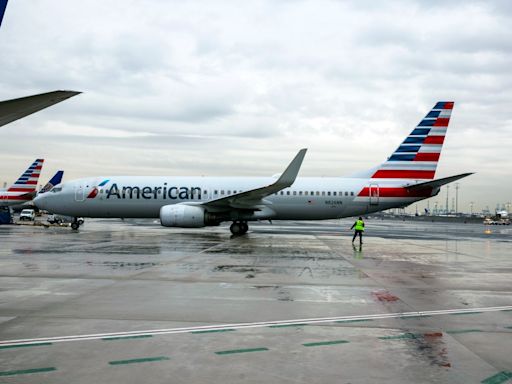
358 229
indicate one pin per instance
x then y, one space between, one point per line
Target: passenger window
328 193
222 192
216 192
323 193
317 193
288 193
312 193
340 193
294 193
334 193
346 193
300 193
351 193
229 192
306 193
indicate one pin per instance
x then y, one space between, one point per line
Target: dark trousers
360 233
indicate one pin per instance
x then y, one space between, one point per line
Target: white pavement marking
61 339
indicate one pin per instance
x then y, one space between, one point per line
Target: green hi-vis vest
359 225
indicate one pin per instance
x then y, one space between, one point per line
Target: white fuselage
309 198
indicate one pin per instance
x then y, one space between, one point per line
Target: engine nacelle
185 216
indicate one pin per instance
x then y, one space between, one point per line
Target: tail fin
56 179
27 182
416 158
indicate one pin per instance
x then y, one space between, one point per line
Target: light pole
447 194
456 198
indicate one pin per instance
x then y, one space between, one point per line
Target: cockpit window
56 189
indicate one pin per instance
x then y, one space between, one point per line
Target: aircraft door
374 194
79 193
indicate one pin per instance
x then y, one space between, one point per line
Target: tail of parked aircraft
417 157
56 179
27 182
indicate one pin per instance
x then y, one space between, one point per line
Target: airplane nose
40 201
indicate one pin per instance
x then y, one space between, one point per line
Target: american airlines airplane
24 189
193 202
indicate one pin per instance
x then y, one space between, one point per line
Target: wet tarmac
292 302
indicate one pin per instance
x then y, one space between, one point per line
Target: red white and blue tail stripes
416 158
27 182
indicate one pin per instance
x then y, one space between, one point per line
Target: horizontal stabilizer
11 110
436 183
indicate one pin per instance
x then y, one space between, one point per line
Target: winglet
252 199
288 177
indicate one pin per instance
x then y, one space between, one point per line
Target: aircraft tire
75 225
245 227
236 228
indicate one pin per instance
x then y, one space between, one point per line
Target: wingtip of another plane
69 92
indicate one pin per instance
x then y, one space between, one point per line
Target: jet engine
185 216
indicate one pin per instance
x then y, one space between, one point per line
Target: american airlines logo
95 190
164 192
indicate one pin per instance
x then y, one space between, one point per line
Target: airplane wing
11 110
254 197
436 183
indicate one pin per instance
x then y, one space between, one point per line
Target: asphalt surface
292 302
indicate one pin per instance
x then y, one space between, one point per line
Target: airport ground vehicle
193 202
27 215
496 221
60 219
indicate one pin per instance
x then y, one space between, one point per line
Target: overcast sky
237 88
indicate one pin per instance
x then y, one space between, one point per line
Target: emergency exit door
374 194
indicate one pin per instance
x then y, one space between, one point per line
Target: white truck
27 215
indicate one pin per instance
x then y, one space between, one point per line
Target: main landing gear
239 227
76 223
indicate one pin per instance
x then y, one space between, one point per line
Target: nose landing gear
239 227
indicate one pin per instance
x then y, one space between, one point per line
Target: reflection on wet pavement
116 276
